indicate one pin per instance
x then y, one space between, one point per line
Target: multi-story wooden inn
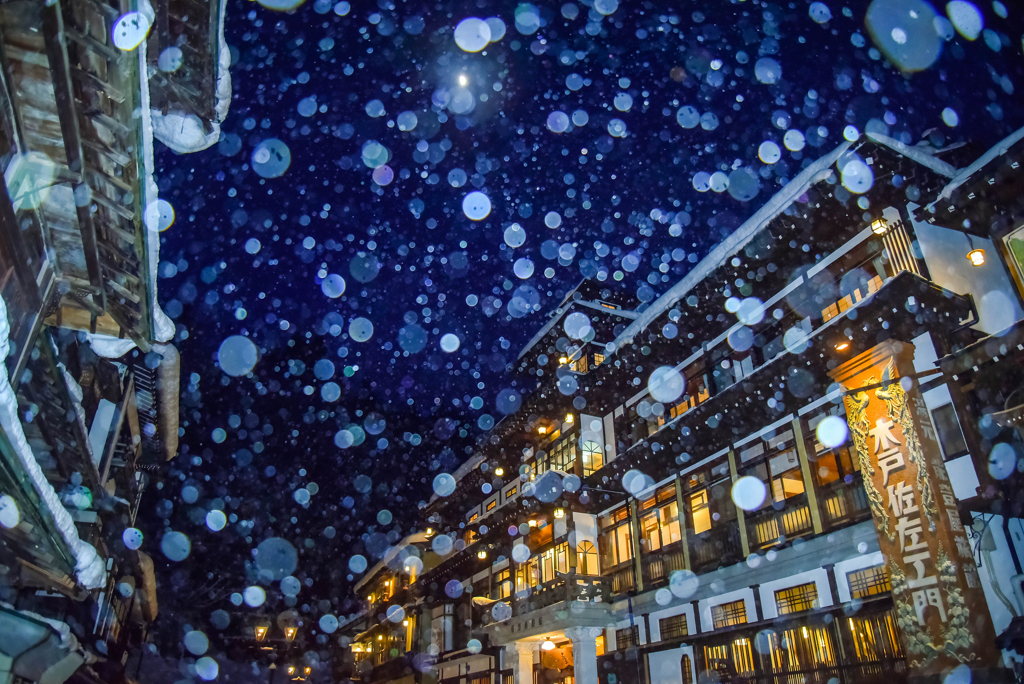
89 382
782 470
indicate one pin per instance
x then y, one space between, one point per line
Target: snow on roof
815 172
417 538
965 173
916 154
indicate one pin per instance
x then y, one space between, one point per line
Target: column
941 608
521 657
584 653
638 567
683 522
740 518
805 470
833 584
758 611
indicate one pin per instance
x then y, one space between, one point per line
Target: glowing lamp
548 645
842 346
289 633
261 633
559 512
568 418
542 430
976 257
563 360
499 472
879 226
533 523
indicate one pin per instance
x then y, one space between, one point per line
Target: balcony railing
772 527
844 502
659 565
716 547
563 588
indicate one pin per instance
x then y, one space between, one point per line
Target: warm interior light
842 346
463 80
806 635
559 512
430 531
568 418
563 360
542 430
548 645
879 226
499 472
533 523
380 637
405 623
481 554
976 257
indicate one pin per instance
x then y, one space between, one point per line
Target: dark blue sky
616 195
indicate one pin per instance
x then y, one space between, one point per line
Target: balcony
774 527
568 588
843 503
621 577
716 547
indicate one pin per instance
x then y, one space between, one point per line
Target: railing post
740 518
682 522
805 469
638 566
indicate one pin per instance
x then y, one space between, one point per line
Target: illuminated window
503 584
473 517
586 559
700 511
492 504
593 458
797 599
869 582
672 627
729 614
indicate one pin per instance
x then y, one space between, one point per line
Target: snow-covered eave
962 176
89 567
917 155
815 172
415 538
560 313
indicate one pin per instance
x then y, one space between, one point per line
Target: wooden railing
772 527
716 547
570 587
659 565
844 502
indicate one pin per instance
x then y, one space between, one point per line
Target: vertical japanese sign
940 605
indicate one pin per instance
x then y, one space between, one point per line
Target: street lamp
289 633
261 632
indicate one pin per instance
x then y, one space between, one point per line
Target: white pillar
584 653
521 656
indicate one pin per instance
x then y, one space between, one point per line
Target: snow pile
960 178
923 158
89 566
186 133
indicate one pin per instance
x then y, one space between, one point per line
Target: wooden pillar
805 469
683 517
833 584
638 566
740 518
758 610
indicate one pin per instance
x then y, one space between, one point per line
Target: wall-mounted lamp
975 255
291 669
842 346
533 523
568 418
559 512
481 554
499 472
879 226
405 623
563 360
542 430
430 531
261 633
289 633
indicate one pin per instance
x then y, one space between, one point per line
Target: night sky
575 126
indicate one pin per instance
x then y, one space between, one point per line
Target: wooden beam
67 112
